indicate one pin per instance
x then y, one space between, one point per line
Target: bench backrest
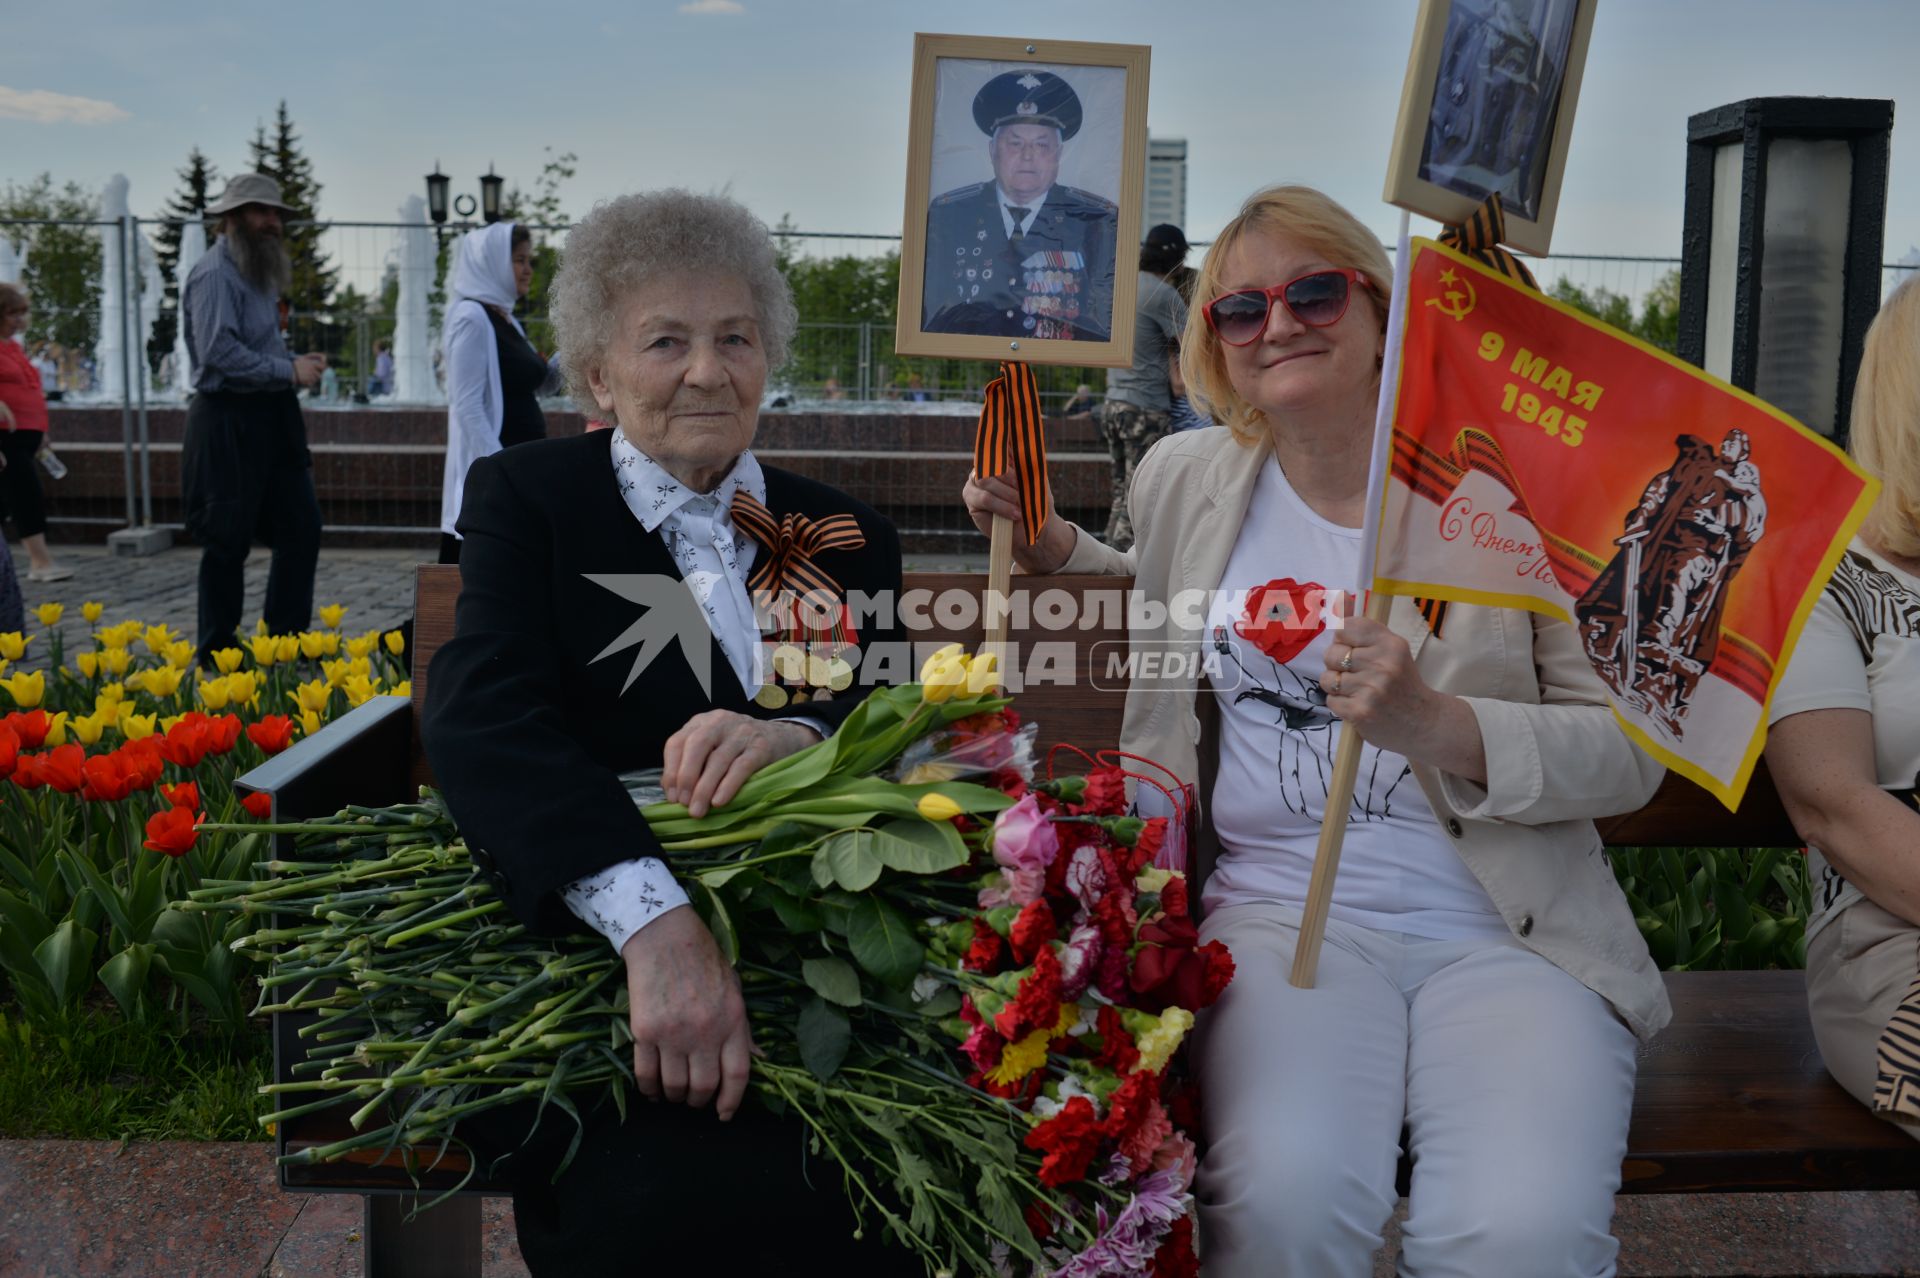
1081 705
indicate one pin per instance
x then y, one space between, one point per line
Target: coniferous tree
278 155
199 183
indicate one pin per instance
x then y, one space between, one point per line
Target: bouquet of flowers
970 989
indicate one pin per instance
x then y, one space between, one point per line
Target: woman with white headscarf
493 371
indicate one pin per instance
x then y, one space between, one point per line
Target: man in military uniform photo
1022 255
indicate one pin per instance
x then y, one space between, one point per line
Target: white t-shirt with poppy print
1270 628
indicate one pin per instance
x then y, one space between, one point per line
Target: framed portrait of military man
1025 167
1488 108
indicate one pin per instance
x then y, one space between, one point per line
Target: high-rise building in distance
1166 194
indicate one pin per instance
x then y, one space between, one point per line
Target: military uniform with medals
1053 281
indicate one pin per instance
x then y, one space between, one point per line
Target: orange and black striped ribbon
1435 613
1010 438
787 571
1479 238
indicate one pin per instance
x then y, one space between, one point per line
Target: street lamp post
490 185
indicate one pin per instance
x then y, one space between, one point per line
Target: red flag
1545 461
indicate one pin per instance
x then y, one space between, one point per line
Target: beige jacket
1555 757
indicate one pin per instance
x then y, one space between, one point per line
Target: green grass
98 1077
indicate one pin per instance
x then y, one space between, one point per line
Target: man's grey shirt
1158 317
233 328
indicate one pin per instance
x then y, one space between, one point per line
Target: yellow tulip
134 727
313 644
242 687
112 692
166 724
160 682
260 627
91 610
330 615
213 694
362 646
983 674
935 806
309 723
263 649
87 730
115 661
944 674
157 638
50 613
396 642
360 689
88 663
56 729
13 644
227 660
26 689
335 671
402 689
359 666
311 697
285 647
179 655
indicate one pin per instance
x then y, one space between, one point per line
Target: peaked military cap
1027 97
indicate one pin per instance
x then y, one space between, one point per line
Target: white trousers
1513 1080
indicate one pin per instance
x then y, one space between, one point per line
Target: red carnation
185 795
272 734
1168 971
1070 1139
987 951
1283 617
1173 897
171 831
1039 1220
1175 1259
1131 1107
1117 1051
1037 1005
1106 794
1146 848
1031 931
259 806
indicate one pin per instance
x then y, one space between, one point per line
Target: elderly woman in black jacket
605 626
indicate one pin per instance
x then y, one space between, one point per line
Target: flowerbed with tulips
112 754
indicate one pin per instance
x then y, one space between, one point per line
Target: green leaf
943 1002
720 923
832 979
916 846
797 915
883 942
723 875
836 908
125 976
66 959
847 859
825 1034
785 837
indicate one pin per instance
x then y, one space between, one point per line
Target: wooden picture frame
1488 105
1057 287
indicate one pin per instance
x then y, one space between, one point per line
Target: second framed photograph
1488 108
1025 167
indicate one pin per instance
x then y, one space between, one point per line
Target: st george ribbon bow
1479 238
787 572
1010 438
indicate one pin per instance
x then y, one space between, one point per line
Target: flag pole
1346 760
999 580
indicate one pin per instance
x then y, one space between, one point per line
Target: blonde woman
1845 748
1482 983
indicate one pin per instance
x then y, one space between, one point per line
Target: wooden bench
1731 1097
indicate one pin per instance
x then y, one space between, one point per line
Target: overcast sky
799 106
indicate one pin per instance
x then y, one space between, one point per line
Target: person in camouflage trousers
1139 404
1129 431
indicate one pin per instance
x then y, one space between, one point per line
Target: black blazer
526 731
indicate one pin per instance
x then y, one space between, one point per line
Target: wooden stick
999 582
1333 829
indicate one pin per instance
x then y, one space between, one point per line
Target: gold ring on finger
1346 662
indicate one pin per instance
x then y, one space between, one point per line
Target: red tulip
259 805
31 727
223 733
272 734
61 767
145 761
9 750
105 779
27 772
171 831
185 795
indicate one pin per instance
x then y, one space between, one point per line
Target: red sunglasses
1316 300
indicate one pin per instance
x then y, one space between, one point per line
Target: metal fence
126 356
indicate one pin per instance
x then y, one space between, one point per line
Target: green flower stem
441 925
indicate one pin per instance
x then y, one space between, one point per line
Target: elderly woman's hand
1372 684
691 1044
708 760
991 495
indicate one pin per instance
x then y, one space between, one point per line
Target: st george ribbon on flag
1543 460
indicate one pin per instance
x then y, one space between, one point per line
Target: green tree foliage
198 183
279 157
540 209
62 273
1658 323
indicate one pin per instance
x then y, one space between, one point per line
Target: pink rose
1014 887
1023 838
